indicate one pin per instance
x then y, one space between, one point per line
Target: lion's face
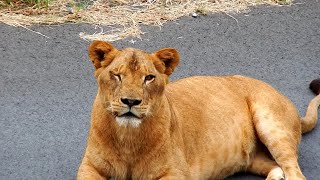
130 86
131 82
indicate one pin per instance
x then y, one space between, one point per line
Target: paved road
47 85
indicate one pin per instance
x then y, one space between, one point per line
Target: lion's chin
128 119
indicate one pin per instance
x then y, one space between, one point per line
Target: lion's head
131 82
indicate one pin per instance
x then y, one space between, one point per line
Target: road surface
47 86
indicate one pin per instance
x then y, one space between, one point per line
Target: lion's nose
130 102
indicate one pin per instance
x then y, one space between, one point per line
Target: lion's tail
310 120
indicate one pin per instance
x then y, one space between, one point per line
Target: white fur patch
276 174
128 121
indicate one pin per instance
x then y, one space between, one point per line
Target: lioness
143 127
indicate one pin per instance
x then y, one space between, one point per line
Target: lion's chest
124 159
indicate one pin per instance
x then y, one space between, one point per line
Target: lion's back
200 89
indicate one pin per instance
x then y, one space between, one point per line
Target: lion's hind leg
264 166
278 128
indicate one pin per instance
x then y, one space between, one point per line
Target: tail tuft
310 120
315 86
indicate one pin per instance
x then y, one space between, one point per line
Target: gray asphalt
47 85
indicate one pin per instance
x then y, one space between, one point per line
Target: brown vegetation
121 17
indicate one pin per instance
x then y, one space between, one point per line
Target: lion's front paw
276 174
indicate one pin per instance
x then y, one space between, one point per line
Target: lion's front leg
88 172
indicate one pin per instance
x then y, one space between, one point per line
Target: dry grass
126 15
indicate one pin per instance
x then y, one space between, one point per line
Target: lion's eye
117 76
149 78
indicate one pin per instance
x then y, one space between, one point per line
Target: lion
201 127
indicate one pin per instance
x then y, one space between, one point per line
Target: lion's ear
169 59
101 53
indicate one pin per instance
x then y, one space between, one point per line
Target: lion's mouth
129 115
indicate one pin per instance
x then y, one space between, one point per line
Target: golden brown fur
195 128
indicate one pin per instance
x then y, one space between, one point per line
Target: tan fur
194 128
